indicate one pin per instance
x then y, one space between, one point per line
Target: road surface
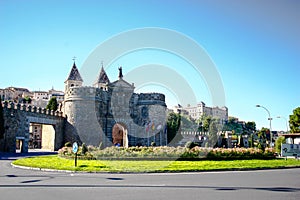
36 185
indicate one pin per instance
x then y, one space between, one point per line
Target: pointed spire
102 78
74 74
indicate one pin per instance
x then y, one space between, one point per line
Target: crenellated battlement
151 98
83 93
30 108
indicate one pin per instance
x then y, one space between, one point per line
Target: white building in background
59 95
38 95
195 112
41 98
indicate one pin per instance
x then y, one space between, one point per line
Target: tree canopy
239 128
27 100
173 126
295 121
52 104
204 122
213 134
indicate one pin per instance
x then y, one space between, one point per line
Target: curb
43 169
217 170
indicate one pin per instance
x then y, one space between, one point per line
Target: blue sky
254 45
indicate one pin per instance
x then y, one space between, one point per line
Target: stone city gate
17 119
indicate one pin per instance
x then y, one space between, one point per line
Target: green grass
55 162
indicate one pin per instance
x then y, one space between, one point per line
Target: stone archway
119 135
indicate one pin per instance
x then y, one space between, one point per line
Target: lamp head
257 105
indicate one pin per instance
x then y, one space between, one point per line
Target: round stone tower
81 109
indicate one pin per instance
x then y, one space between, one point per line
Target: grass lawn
55 162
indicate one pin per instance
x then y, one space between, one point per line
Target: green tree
52 104
213 134
241 141
188 124
26 100
1 120
233 125
250 127
173 126
84 149
295 121
204 123
262 137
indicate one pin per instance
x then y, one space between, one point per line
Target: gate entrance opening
119 135
41 136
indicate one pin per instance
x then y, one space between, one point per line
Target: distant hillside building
38 95
38 98
15 94
195 112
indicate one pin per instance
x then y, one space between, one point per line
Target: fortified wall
105 113
93 114
17 119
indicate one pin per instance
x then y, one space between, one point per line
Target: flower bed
240 154
170 153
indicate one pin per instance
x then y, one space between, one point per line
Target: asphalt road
263 184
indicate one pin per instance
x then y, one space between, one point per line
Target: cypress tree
1 120
52 104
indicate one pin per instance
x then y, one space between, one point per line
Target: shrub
167 153
190 144
68 144
84 149
240 154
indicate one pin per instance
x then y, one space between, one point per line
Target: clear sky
254 45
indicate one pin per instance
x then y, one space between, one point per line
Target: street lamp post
287 127
270 118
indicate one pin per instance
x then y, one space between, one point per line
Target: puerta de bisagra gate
107 114
110 113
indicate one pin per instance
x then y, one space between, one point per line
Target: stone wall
91 114
17 118
81 108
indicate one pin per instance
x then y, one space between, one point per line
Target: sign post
75 150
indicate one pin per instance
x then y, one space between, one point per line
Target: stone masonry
92 112
17 119
90 115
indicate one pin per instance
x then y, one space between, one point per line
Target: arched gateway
120 135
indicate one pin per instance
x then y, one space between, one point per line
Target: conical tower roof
102 78
74 74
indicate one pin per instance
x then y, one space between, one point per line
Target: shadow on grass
96 167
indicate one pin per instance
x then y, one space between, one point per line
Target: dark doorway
119 135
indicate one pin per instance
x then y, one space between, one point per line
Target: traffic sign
75 147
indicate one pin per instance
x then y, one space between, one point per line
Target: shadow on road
15 156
